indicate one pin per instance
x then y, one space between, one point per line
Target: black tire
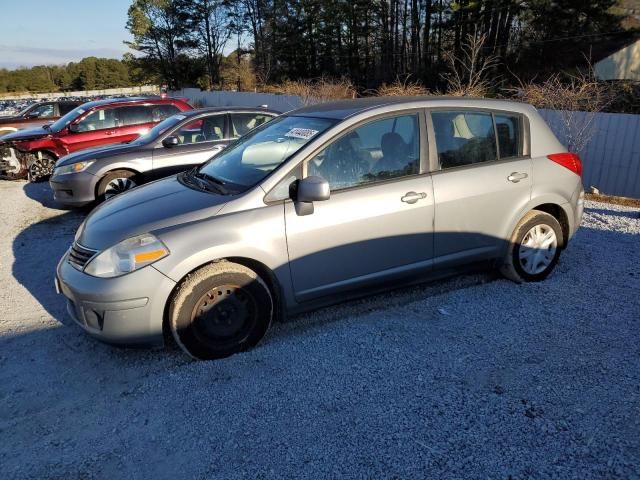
520 269
221 309
124 178
40 167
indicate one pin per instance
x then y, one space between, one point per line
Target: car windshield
251 158
159 129
26 109
67 119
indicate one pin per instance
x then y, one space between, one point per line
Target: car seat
394 153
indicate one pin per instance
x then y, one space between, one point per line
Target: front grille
79 256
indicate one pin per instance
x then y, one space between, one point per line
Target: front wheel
41 167
221 309
534 248
114 183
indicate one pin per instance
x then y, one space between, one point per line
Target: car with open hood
90 125
321 204
177 143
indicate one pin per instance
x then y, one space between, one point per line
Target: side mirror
74 128
171 142
313 189
308 190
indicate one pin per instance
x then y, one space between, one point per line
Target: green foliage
90 73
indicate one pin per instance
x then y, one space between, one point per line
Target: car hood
151 207
97 153
9 118
26 134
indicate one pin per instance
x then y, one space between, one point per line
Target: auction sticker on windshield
303 133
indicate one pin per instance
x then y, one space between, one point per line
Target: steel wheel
224 315
538 249
220 309
117 186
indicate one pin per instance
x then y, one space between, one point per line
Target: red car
33 152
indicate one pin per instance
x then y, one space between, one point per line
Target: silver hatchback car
319 205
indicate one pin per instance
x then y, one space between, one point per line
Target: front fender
257 234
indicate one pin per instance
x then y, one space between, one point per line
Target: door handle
413 197
110 132
515 177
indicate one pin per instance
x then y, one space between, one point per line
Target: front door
377 225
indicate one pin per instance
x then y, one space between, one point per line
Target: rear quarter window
509 132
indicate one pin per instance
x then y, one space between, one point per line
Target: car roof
201 111
131 100
343 109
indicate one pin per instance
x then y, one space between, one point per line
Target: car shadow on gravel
41 192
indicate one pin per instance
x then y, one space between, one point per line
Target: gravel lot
474 377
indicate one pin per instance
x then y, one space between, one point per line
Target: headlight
73 168
127 256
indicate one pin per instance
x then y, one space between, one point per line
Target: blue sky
37 32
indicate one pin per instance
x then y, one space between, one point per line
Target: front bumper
74 189
126 310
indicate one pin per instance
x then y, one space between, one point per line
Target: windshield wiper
46 126
211 180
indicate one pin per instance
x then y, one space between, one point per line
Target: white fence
146 89
611 159
197 98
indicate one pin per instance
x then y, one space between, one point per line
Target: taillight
568 160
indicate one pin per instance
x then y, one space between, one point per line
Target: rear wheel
41 166
534 248
220 309
115 183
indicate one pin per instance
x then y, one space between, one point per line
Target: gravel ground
473 377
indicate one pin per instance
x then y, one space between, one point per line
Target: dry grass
400 88
318 91
569 94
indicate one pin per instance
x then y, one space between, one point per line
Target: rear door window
133 115
464 138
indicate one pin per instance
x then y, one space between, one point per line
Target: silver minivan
321 204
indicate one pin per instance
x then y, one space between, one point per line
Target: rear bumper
126 310
74 189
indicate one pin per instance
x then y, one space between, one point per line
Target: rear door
483 176
131 122
199 139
